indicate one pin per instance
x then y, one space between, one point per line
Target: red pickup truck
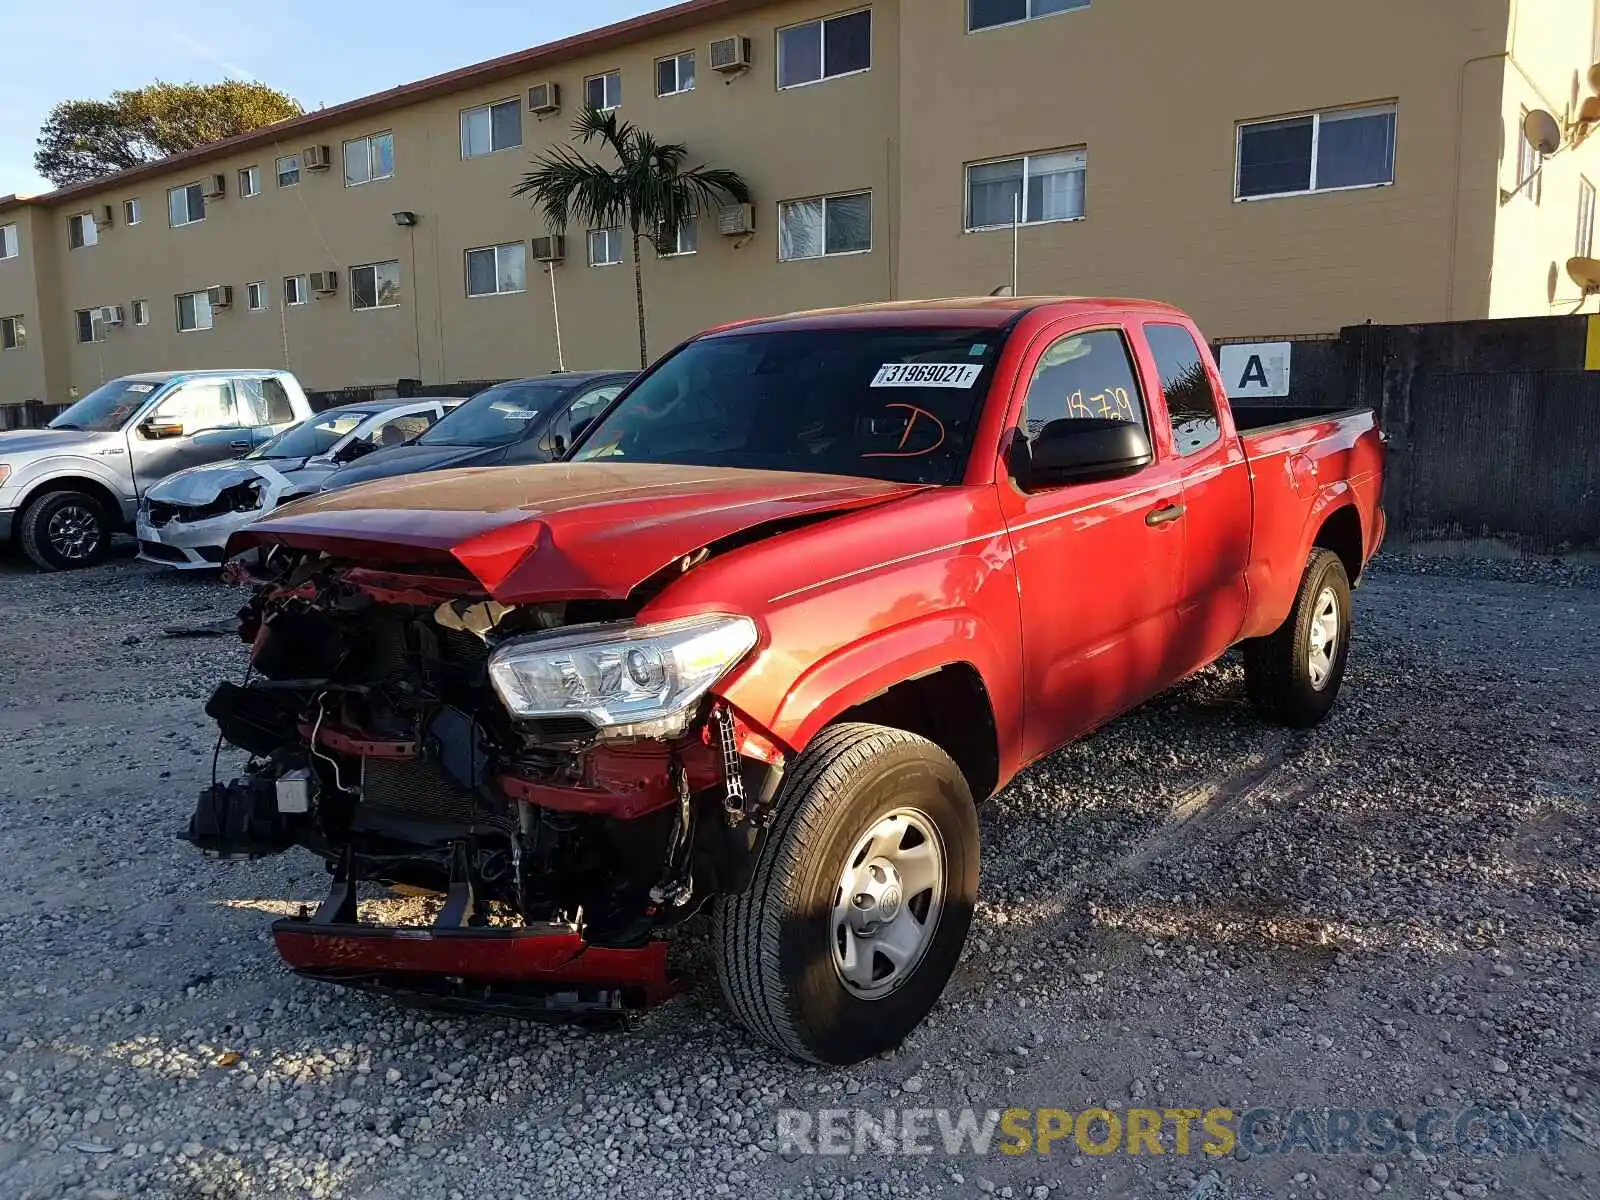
803 595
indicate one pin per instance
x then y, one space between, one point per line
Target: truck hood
564 531
42 442
199 486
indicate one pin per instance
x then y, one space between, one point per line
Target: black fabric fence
1512 456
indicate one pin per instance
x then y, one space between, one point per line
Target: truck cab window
1083 375
1191 400
203 404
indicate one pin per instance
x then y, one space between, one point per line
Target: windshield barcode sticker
931 375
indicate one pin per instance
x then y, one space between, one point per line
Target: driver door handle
1165 515
239 445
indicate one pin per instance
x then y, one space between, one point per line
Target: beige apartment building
1279 167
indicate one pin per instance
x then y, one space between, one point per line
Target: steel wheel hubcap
887 905
1324 639
73 532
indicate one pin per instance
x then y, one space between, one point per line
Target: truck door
197 422
1098 564
1216 495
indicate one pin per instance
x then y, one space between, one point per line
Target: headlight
5 473
629 681
244 497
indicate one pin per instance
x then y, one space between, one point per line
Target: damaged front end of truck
558 775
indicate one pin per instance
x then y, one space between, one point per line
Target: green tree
649 190
86 139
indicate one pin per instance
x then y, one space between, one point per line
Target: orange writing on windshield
933 427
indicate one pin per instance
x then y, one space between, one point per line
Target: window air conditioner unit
736 220
551 249
216 187
107 216
730 55
544 98
324 283
220 295
111 314
314 158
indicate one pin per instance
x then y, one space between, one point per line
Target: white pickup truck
67 488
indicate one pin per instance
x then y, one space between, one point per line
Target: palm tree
649 190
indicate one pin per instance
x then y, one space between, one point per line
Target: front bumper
8 518
190 545
547 972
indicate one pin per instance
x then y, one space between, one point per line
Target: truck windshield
496 417
896 404
107 408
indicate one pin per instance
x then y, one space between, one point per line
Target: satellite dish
1585 272
1542 131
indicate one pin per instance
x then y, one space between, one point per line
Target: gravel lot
1397 910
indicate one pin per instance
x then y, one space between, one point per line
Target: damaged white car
186 519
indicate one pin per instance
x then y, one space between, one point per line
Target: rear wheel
61 531
1293 674
860 900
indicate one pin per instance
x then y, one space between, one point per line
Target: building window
249 182
825 225
491 127
685 240
10 246
91 326
12 335
605 247
497 270
1585 218
1322 152
368 159
186 205
675 75
1529 160
825 49
603 92
194 312
82 231
295 290
376 285
288 169
1050 187
256 296
141 312
132 211
986 14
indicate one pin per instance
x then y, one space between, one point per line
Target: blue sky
319 51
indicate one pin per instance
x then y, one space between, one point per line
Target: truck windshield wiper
68 425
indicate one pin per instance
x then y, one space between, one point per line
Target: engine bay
378 741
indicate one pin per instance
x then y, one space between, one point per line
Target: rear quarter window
1186 385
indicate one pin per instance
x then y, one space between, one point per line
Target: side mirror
1080 451
159 429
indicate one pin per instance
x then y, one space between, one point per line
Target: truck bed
1303 459
1261 418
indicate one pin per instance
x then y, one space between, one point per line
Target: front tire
1293 674
860 901
62 531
